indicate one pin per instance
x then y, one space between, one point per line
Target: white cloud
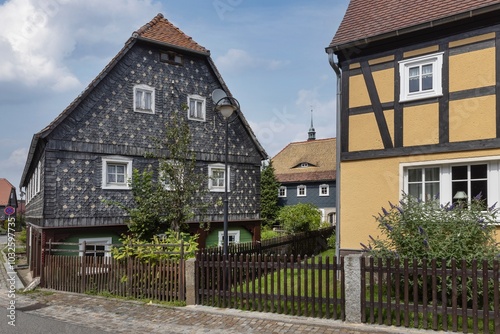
238 60
11 167
39 37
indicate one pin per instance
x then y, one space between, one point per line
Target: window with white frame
324 190
423 183
35 183
170 169
233 237
282 191
216 177
116 172
95 247
144 99
476 177
196 104
421 77
301 191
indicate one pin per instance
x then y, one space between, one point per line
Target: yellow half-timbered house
419 85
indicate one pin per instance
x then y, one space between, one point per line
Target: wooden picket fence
162 280
432 294
312 287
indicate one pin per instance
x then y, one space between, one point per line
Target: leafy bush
268 233
155 249
298 218
427 230
416 229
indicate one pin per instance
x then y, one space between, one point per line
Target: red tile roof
159 29
5 190
367 19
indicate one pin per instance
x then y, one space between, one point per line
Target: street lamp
226 105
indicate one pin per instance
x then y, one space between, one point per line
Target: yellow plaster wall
473 119
384 81
472 69
421 125
368 185
364 133
358 93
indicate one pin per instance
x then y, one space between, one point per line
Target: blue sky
271 54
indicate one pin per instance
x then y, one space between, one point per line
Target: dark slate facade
102 123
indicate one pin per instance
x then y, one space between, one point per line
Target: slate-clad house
8 197
306 172
88 152
420 110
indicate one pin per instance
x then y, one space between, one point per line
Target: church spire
312 133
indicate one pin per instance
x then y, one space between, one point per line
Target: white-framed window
324 190
95 247
178 172
282 191
144 99
233 237
301 191
444 179
216 177
423 183
421 77
35 183
196 105
116 172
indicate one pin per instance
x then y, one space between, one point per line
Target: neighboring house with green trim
88 152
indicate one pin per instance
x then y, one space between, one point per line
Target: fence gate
309 286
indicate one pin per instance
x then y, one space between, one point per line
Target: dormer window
304 165
144 99
171 57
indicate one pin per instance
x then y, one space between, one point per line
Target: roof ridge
154 31
148 25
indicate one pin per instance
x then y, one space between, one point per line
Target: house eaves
344 43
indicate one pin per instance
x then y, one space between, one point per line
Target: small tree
170 195
269 187
416 229
300 217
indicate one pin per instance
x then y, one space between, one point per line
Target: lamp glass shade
226 110
460 195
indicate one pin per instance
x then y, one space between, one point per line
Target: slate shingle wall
105 124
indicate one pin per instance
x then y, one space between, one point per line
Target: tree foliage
416 229
170 193
269 186
300 217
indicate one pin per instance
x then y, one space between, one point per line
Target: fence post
190 281
352 270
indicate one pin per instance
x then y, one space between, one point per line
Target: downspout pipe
338 73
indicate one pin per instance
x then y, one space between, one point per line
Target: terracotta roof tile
159 29
5 189
319 154
365 19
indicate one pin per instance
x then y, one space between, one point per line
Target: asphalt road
33 324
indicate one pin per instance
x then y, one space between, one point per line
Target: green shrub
133 247
298 218
416 229
427 230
